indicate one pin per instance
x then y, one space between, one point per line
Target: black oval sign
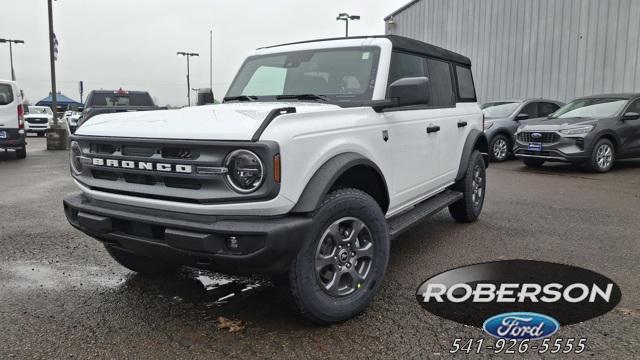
471 294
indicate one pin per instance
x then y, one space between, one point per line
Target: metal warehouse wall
558 49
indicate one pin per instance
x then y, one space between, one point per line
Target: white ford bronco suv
322 152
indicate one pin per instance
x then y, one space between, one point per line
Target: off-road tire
533 163
502 154
468 208
140 264
304 283
595 164
21 153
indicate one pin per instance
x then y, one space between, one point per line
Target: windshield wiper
302 97
241 98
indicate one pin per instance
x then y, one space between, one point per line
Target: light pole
13 74
188 55
57 135
346 17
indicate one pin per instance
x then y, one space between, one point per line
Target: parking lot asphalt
61 295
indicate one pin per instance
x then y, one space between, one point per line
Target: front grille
169 169
36 120
545 137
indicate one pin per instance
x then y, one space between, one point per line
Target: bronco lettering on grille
142 165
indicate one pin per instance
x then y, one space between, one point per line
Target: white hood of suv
230 121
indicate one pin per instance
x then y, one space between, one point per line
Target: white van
12 134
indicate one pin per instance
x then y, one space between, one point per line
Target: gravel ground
61 296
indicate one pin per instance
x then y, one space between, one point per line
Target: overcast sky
133 44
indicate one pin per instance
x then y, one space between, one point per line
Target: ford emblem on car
536 135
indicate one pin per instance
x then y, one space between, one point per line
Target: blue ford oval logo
536 135
521 326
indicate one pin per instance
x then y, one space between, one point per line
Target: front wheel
140 264
342 262
602 156
499 148
473 187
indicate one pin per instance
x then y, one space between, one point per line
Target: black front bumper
567 149
265 245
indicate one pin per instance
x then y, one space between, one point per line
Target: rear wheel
140 264
499 148
533 163
21 153
602 156
472 186
342 262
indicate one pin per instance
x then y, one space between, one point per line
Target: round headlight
245 171
75 157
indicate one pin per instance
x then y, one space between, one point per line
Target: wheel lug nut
353 253
348 265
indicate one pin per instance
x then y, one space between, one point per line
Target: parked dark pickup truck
112 101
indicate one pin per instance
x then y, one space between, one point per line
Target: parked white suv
37 119
12 134
321 153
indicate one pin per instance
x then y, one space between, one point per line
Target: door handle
462 124
432 129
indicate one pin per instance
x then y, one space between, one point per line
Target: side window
466 90
6 94
635 107
441 83
531 110
405 65
546 108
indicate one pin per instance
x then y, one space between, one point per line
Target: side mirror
410 91
522 116
630 116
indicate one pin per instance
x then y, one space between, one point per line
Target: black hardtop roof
404 44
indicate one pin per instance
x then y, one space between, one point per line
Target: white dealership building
557 49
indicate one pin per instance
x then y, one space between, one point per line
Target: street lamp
346 17
188 55
13 74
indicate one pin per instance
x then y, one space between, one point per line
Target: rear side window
441 83
466 90
546 108
6 94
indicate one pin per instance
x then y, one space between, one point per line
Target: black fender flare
322 180
605 133
475 140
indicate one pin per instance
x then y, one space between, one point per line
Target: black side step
400 223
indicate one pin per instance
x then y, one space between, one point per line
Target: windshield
40 110
343 74
590 108
499 109
124 99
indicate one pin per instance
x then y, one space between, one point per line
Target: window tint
112 99
635 107
6 94
531 110
441 84
546 108
466 91
405 65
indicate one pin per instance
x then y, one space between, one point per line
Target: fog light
233 243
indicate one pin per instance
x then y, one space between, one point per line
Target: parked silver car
502 119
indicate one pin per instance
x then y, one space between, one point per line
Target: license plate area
535 146
3 134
